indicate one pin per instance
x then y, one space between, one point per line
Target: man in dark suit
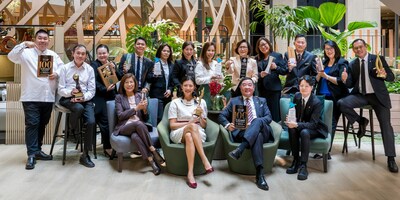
258 130
136 64
305 65
368 83
308 125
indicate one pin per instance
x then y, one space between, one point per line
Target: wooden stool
371 131
66 133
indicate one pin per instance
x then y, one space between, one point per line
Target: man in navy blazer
129 64
374 93
257 132
305 65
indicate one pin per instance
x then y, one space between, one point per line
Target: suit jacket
271 82
180 70
252 71
102 95
158 84
378 84
306 66
124 111
262 112
311 118
147 64
340 90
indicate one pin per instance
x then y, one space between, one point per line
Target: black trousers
256 135
350 102
300 140
85 110
37 116
273 103
102 121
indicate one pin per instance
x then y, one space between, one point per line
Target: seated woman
307 126
132 114
187 119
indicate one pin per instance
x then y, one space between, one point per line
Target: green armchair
245 163
318 145
175 155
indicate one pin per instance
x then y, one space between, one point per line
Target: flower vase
217 102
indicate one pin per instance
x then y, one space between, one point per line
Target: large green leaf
331 13
309 15
363 24
326 35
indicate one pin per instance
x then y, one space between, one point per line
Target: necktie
363 86
298 57
303 107
250 111
137 73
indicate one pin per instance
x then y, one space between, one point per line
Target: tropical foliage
161 32
326 17
282 20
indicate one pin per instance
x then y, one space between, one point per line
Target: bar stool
66 133
371 131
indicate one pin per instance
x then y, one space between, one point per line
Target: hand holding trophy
78 92
380 70
199 111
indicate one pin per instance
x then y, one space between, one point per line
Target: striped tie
250 111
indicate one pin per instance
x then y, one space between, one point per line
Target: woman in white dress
188 119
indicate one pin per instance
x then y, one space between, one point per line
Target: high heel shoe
108 155
191 185
156 169
160 160
209 171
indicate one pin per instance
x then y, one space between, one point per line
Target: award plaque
239 117
77 86
107 74
270 61
45 66
291 55
320 66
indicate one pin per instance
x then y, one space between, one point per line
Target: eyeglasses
329 49
243 47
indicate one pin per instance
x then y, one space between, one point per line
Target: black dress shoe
293 168
43 156
363 127
261 182
85 161
30 163
303 173
393 166
236 153
156 169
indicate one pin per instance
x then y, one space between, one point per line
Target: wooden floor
350 176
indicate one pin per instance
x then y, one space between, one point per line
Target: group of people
256 86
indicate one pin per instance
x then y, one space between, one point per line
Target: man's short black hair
41 31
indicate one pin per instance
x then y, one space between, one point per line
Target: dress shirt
139 79
202 75
368 85
305 99
253 108
166 73
87 80
33 88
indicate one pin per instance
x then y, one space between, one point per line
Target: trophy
198 111
77 86
380 71
320 65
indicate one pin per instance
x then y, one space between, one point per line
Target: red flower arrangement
215 88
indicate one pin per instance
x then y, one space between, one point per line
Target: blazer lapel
257 106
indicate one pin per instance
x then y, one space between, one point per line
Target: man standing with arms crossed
37 93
